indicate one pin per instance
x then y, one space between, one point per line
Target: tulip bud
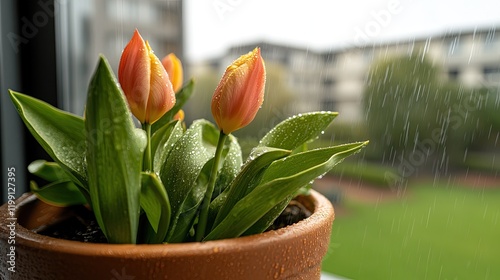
145 81
173 66
179 116
240 92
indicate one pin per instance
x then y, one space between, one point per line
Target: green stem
202 221
147 164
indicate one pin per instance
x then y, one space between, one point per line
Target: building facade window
453 74
491 41
454 46
491 74
329 104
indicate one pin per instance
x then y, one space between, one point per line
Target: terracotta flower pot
294 252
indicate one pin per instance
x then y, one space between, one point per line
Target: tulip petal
174 69
240 92
145 81
162 95
134 73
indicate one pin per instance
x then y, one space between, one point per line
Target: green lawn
434 232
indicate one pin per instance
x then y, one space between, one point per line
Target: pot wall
294 252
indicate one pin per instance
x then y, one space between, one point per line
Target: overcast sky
215 25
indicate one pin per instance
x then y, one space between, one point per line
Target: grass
435 232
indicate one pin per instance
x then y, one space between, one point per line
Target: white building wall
336 80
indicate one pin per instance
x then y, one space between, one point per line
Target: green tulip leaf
62 135
162 142
114 157
268 219
190 208
181 176
49 171
246 181
231 165
155 203
279 182
263 223
297 130
61 193
180 99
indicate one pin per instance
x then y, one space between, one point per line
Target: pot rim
322 209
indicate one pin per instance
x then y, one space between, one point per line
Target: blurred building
50 52
89 28
303 70
335 80
113 22
470 58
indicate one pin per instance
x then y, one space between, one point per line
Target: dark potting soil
293 213
83 227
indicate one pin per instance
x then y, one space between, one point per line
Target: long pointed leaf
227 172
155 203
231 166
281 180
189 208
162 142
61 182
247 179
268 219
297 130
50 171
114 158
62 135
181 172
61 193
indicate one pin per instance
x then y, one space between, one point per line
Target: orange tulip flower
240 92
145 81
179 116
173 66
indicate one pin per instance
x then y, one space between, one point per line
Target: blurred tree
414 118
492 107
490 120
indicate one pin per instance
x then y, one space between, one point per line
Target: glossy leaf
268 219
156 206
181 176
195 196
280 181
247 180
61 193
297 130
62 135
49 171
231 165
193 202
162 142
114 158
